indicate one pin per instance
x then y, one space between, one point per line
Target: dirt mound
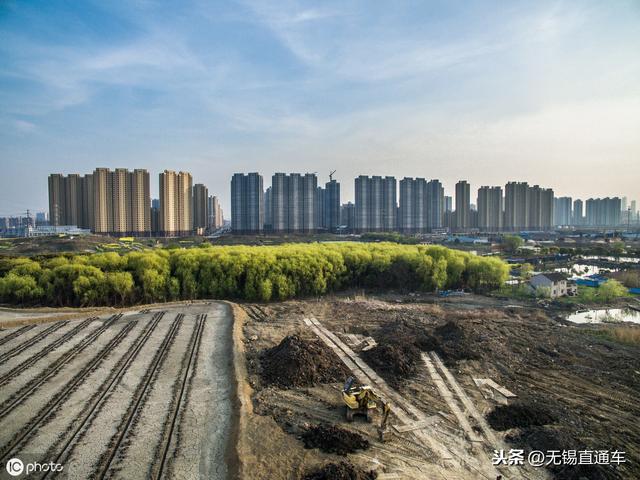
296 362
395 360
340 471
332 439
519 415
450 342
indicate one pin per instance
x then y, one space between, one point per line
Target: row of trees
244 272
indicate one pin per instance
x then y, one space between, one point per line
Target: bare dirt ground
137 394
574 391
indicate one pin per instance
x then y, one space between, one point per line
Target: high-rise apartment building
490 209
247 203
603 212
106 202
435 205
516 206
412 211
376 204
319 208
200 208
578 212
102 201
348 216
73 199
463 206
120 200
214 214
56 199
562 211
268 210
176 203
331 205
546 208
139 218
294 204
70 201
88 212
155 216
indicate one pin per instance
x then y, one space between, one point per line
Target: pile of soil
450 342
395 360
340 471
519 415
332 439
296 362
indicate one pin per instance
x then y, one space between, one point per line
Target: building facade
516 206
106 202
412 211
462 221
247 203
200 208
490 209
435 205
603 212
331 205
294 203
215 218
376 204
176 203
562 212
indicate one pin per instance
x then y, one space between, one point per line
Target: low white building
553 285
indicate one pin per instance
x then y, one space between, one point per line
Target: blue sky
489 91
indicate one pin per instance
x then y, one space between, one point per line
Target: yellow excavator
363 400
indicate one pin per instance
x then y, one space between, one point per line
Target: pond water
582 270
605 315
612 259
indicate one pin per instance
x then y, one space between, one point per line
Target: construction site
447 383
135 394
389 386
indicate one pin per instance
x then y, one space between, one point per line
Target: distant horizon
448 190
545 92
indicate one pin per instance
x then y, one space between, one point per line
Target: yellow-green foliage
248 272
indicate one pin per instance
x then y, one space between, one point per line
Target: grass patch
628 335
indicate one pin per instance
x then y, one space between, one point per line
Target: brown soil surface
296 362
340 471
575 390
394 360
332 439
505 417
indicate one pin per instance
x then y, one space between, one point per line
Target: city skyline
449 191
541 91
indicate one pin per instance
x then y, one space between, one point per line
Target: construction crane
331 176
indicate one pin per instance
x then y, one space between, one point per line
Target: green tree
610 290
19 289
512 243
121 285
